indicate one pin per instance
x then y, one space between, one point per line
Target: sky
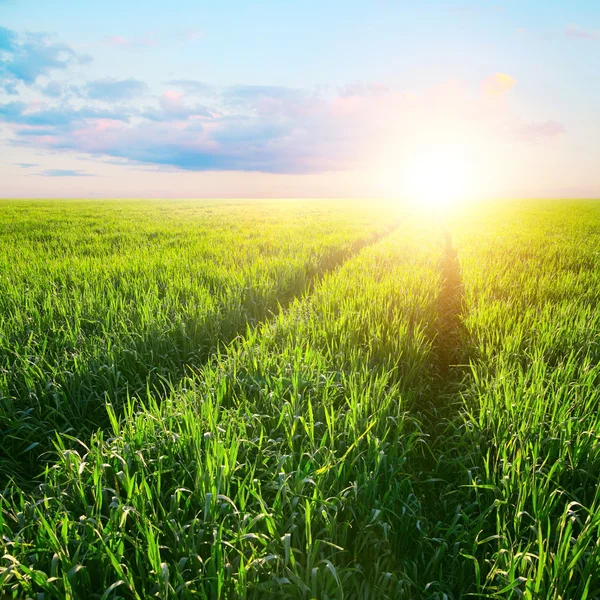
299 98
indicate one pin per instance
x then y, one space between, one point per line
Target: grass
99 301
529 427
389 413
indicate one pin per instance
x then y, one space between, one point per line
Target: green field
299 399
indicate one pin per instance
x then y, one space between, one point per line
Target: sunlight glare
435 179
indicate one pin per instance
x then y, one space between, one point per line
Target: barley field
299 399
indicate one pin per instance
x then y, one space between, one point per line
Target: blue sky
290 98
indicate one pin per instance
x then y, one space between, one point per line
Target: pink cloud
173 108
117 41
537 131
172 96
104 124
574 31
171 102
269 106
34 106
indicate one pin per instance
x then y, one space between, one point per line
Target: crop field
299 399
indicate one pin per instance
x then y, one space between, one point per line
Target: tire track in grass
447 344
348 414
505 491
448 350
493 486
327 266
340 258
28 473
433 473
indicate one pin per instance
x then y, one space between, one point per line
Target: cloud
247 94
295 138
65 173
53 89
537 131
26 165
173 107
116 41
191 86
267 100
37 120
115 89
272 128
574 31
498 84
27 57
148 41
362 89
252 128
8 39
58 89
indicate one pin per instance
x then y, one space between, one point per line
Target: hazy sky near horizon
281 98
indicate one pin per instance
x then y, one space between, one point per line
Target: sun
437 178
434 179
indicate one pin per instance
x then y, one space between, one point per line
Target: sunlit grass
330 449
102 300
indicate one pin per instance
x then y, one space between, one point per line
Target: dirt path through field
447 344
448 358
337 262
